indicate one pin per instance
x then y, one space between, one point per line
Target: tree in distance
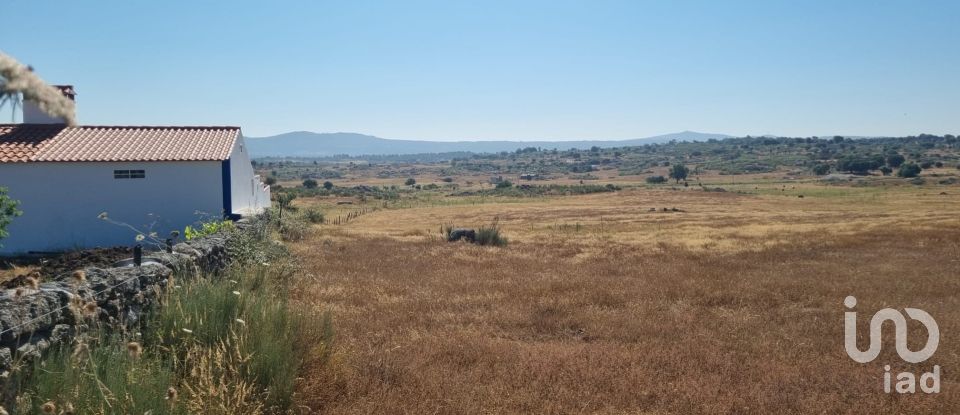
679 172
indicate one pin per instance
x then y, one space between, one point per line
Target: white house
155 179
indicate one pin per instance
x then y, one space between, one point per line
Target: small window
129 174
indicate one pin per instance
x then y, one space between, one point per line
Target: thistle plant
147 235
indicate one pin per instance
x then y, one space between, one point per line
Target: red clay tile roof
50 142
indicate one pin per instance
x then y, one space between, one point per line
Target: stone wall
33 319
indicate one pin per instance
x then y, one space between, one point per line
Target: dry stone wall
34 318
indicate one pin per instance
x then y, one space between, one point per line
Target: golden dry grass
727 222
732 306
13 271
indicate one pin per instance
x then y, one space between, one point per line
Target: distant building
156 179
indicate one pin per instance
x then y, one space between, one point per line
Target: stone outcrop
462 233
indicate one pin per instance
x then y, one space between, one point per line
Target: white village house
156 179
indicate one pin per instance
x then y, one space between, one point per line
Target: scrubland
606 303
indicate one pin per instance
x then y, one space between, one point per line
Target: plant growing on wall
207 228
8 211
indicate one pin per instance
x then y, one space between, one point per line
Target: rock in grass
457 234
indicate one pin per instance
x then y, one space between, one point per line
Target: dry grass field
732 304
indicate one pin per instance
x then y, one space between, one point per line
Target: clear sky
531 70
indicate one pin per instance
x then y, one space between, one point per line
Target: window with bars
129 174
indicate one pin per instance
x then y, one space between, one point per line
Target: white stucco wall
61 201
248 194
32 114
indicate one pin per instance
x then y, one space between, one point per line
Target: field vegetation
719 297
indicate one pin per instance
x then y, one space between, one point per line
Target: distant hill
308 144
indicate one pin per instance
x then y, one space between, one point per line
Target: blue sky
531 70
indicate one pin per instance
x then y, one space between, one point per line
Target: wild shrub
285 200
8 211
485 235
293 228
313 215
490 235
821 169
254 245
909 170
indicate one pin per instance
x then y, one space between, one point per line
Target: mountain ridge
311 144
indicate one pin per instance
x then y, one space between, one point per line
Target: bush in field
486 235
656 179
884 170
410 182
313 215
490 235
505 184
310 184
909 170
285 200
859 164
293 228
821 169
251 245
328 185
